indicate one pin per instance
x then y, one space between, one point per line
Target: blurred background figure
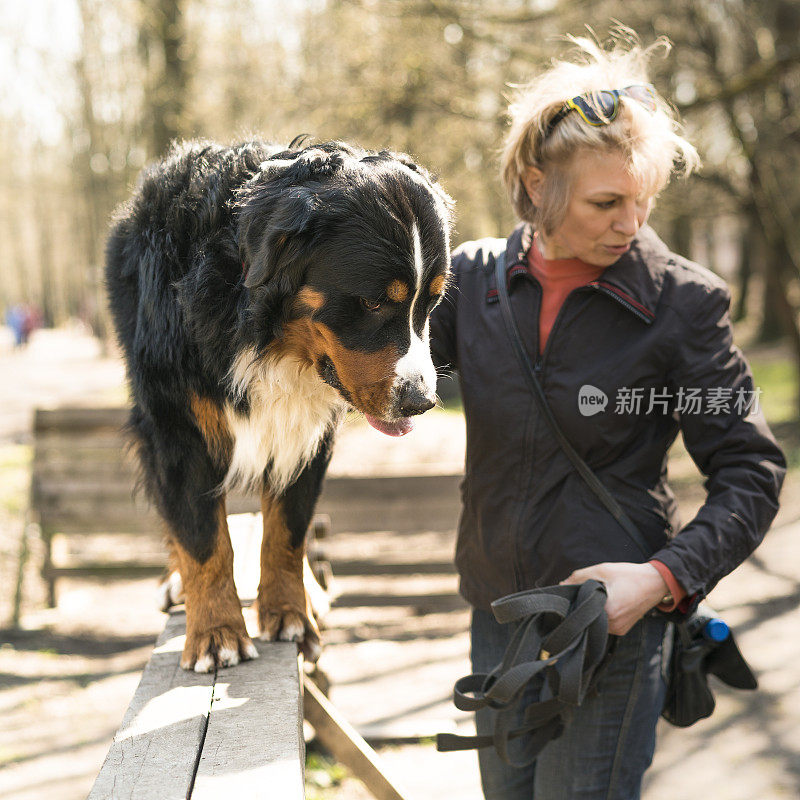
23 319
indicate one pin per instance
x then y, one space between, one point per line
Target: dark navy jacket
655 327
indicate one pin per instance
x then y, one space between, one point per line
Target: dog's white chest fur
291 408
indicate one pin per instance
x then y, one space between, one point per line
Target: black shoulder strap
580 465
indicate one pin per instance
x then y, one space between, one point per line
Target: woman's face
605 211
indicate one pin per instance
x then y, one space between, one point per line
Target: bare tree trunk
92 187
772 324
162 40
751 261
682 235
44 217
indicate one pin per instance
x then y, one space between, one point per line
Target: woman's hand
633 589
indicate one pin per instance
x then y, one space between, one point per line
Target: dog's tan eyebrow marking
437 285
397 291
311 298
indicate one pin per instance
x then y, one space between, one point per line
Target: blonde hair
649 140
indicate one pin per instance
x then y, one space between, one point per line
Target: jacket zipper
518 582
538 368
541 359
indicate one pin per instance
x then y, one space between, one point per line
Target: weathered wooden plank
116 489
54 442
354 504
87 470
154 753
238 732
76 550
346 744
402 504
365 566
427 603
119 569
82 524
387 491
74 516
74 417
254 744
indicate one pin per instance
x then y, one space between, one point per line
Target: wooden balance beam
236 732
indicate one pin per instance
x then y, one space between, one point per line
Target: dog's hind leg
283 605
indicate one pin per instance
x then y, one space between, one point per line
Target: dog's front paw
222 646
288 623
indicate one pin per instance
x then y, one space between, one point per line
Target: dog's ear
276 214
280 217
273 228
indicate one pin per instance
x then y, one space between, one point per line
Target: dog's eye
370 305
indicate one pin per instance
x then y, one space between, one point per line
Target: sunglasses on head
601 107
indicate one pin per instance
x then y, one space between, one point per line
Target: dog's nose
414 401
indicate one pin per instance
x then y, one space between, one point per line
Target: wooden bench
93 524
237 730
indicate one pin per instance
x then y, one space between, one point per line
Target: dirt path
66 679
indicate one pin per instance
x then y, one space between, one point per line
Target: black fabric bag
693 656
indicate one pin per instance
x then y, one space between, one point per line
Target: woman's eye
604 203
370 305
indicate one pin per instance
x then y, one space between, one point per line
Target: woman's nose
627 222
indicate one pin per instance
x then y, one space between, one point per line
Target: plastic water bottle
707 625
716 630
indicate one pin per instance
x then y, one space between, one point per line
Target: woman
632 344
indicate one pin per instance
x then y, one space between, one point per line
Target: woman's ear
533 180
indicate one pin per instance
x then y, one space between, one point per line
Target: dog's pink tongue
399 428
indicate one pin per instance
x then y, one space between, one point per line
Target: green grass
15 464
322 773
777 379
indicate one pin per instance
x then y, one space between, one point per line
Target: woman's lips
618 249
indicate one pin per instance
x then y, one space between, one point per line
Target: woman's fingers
633 589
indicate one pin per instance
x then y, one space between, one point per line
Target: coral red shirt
558 277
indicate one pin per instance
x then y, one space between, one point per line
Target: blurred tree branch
756 76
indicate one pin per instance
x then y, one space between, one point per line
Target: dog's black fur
229 262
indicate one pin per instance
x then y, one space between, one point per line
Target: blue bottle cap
716 630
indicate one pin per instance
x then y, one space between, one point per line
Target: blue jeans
608 743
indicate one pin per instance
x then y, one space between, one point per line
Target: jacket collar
635 281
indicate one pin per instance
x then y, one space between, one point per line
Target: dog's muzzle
413 399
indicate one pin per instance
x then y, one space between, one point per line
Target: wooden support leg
345 743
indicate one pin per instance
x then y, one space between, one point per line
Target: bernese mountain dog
258 292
